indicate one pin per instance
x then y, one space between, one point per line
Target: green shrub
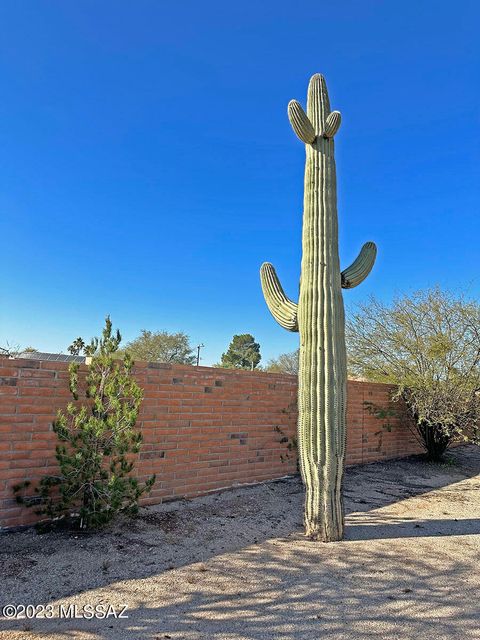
427 344
98 441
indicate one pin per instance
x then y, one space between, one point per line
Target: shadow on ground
236 565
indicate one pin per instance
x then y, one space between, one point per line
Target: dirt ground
235 566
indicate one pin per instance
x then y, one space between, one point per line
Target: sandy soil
235 566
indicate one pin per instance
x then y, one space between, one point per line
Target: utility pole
199 346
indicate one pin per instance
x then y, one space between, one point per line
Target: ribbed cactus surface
319 318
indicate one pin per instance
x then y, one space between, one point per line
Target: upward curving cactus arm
332 124
282 308
300 122
356 273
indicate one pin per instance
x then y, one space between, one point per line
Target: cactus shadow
375 496
374 527
293 589
241 557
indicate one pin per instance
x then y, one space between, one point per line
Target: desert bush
428 345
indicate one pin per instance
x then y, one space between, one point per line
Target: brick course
204 429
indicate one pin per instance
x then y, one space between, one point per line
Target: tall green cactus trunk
319 318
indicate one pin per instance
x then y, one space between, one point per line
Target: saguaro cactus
319 318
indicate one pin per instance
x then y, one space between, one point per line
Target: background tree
285 363
10 350
243 353
76 347
97 441
427 344
161 346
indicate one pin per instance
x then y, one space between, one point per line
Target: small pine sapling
97 443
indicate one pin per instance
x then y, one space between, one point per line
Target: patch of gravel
236 565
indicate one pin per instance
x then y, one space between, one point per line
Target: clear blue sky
147 166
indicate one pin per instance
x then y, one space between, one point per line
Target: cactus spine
319 318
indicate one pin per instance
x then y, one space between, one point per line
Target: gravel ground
235 566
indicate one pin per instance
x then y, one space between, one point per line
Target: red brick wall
204 429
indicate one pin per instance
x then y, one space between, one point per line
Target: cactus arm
332 124
282 308
361 267
300 122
